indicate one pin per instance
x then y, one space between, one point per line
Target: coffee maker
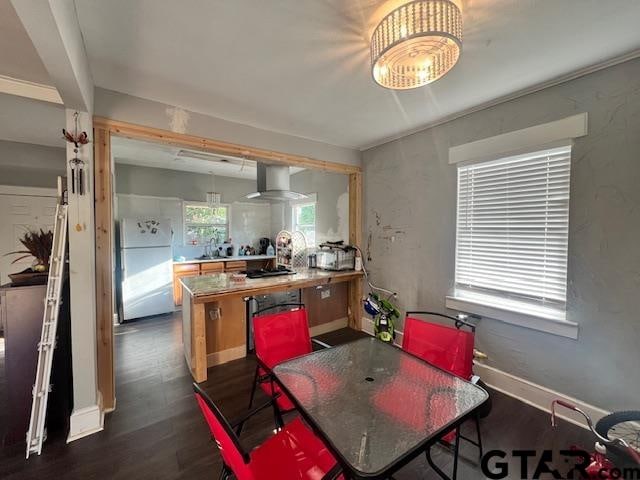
264 244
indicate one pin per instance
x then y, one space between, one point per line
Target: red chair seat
294 453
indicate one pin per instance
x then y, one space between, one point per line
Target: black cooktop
262 272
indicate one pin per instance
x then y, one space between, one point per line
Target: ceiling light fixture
416 44
213 198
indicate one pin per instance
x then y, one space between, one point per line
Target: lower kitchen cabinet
179 271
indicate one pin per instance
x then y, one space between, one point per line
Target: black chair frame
268 376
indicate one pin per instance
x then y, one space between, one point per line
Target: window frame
186 225
508 308
294 224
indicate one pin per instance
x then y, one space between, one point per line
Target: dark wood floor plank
157 431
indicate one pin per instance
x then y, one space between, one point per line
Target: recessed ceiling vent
273 184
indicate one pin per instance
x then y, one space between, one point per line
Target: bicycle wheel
622 425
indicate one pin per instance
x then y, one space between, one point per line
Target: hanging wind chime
77 165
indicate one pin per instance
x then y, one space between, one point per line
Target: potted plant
37 245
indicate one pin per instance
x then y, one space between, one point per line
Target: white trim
24 88
519 141
563 328
506 98
28 191
84 422
536 395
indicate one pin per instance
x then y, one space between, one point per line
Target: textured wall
410 212
28 165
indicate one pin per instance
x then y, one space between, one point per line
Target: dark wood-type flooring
157 431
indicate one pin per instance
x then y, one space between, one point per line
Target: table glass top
375 403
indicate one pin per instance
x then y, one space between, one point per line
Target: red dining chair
278 337
449 348
293 453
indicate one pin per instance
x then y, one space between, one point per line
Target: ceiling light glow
416 44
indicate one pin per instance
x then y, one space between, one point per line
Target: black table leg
434 466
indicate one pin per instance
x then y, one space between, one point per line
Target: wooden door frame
103 130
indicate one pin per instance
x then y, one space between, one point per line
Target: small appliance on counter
225 250
264 245
291 249
336 256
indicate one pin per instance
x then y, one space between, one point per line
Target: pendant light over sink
213 198
416 44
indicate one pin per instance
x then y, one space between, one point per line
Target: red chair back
230 449
446 347
281 336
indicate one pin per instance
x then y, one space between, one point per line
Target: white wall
28 165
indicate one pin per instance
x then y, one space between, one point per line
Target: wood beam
104 265
355 238
167 137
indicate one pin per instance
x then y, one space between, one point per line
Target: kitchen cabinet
212 267
179 271
225 330
235 266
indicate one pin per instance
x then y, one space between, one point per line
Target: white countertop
246 258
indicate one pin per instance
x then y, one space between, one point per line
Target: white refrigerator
147 267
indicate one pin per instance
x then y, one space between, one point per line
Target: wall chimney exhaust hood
273 184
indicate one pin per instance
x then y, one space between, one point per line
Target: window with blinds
512 231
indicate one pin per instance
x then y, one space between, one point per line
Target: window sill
546 320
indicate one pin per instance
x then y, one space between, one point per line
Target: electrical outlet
214 314
324 294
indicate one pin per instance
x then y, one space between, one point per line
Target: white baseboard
329 326
84 422
527 392
536 395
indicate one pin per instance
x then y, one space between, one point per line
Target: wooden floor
157 431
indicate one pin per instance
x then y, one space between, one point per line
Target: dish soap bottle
270 250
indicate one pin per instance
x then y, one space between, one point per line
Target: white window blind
513 227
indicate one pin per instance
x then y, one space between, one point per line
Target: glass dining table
376 406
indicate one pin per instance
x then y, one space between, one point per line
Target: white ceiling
18 56
302 66
145 154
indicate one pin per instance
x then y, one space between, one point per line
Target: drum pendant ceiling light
416 44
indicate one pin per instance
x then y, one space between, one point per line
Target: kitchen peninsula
214 318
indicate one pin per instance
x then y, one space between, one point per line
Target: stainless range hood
273 184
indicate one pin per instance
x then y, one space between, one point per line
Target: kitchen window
203 223
512 238
304 220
